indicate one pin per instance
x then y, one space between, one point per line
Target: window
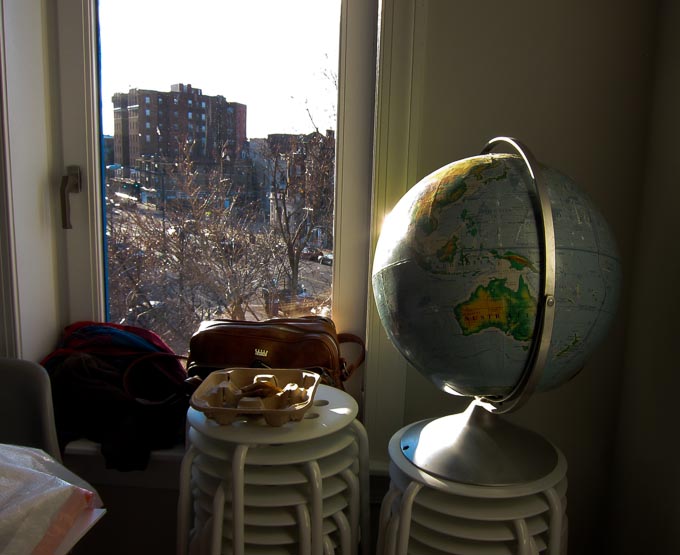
85 291
348 315
189 275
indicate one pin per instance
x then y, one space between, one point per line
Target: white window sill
85 459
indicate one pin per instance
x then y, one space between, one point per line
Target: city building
153 130
155 123
298 171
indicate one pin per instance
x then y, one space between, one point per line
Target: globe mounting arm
545 310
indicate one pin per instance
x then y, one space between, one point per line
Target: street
316 278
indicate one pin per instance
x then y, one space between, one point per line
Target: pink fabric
63 520
39 501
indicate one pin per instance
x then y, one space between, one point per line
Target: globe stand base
478 447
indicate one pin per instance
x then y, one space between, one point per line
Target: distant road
316 278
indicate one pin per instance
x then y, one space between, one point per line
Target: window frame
399 88
80 108
376 160
79 88
79 92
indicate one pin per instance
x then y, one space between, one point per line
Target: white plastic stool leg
405 516
205 538
564 544
354 494
237 498
346 547
314 483
525 542
384 517
390 547
304 530
364 483
328 548
217 520
198 544
556 512
184 502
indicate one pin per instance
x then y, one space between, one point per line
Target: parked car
311 253
286 295
326 259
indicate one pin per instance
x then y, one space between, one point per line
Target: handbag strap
348 367
180 383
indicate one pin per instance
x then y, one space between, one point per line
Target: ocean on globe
457 275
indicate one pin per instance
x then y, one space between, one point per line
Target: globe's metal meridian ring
545 309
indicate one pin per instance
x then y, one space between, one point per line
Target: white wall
647 496
32 177
572 81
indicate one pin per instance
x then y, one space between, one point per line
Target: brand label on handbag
261 352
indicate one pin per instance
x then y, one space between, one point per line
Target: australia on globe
458 268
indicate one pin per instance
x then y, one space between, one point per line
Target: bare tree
187 240
198 252
301 177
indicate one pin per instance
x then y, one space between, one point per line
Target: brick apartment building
154 123
151 129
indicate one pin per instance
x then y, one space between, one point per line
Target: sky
280 58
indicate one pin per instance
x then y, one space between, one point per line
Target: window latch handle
70 183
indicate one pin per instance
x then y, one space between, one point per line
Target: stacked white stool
423 514
302 488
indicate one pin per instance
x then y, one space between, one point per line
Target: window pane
221 207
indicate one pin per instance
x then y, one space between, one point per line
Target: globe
457 275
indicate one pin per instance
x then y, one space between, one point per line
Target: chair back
26 411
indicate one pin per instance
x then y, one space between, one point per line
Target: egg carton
279 395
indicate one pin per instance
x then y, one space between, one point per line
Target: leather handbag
309 342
